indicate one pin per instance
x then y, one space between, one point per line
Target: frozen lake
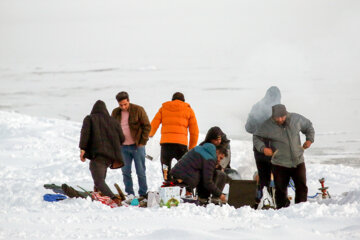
220 97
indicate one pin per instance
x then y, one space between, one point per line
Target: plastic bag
153 199
153 149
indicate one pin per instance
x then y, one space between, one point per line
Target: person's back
100 141
191 166
177 118
101 135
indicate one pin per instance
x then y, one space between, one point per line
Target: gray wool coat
285 140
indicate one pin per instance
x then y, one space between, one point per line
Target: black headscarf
213 134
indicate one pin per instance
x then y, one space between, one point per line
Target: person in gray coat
257 116
283 129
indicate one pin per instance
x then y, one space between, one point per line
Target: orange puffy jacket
176 117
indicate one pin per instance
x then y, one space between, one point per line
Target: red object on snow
104 199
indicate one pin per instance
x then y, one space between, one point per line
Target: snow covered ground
58 57
36 150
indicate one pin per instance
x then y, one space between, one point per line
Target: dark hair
222 149
178 96
213 133
121 96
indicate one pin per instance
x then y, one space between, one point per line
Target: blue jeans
130 153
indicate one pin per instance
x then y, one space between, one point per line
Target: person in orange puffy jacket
177 118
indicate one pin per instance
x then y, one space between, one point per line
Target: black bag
242 193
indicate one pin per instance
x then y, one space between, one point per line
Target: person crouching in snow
100 141
283 130
197 169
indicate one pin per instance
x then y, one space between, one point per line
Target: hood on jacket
262 109
175 105
207 151
100 108
273 95
213 134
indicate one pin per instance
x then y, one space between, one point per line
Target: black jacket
101 135
198 167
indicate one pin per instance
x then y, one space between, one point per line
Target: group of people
118 140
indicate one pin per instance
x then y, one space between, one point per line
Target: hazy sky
58 57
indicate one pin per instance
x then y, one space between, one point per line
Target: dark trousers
170 151
98 168
282 177
263 164
219 180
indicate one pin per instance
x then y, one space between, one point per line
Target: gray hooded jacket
285 139
262 109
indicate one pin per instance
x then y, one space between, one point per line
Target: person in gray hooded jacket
283 129
259 113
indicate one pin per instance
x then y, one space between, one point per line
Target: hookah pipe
323 189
